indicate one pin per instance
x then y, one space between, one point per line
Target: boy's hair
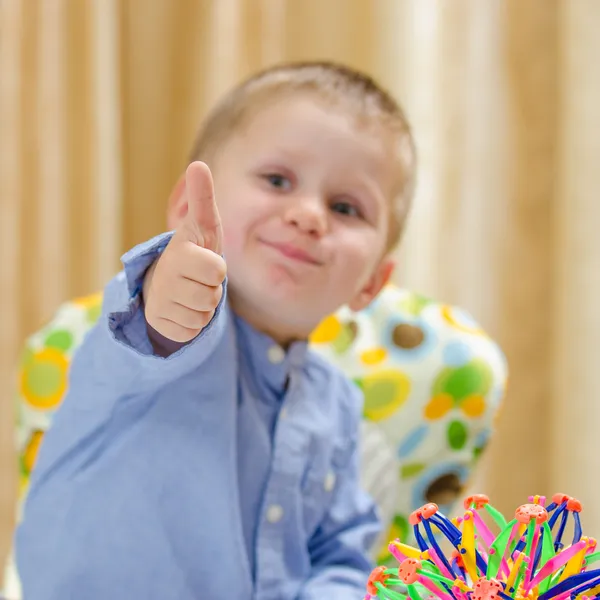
335 83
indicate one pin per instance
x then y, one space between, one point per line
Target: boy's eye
345 208
279 181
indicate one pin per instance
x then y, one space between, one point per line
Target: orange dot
326 331
31 451
438 406
473 406
89 301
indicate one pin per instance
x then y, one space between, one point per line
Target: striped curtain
100 99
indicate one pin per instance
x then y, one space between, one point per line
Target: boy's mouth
293 252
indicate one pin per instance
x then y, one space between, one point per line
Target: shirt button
329 482
274 513
276 354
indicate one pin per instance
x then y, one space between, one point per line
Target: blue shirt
227 470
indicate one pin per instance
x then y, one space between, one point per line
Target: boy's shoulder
116 294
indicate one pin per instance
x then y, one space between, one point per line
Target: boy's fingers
202 208
197 297
173 331
213 269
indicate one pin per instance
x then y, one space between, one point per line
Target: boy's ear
177 204
376 282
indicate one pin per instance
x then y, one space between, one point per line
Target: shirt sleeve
116 358
340 547
114 367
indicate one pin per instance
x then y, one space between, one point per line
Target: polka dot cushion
43 374
432 380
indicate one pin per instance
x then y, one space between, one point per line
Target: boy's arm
119 353
339 548
114 369
170 295
116 362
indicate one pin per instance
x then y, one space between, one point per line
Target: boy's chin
284 319
292 308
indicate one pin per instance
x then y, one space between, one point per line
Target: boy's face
304 197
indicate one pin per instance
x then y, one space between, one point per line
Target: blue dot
483 437
457 354
495 396
412 441
464 318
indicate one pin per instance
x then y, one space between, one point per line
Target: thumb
202 213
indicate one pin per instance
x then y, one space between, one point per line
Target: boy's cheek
232 240
359 255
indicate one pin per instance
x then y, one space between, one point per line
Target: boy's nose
310 216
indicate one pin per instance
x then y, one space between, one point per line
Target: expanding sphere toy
526 560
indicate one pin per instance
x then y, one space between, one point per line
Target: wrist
161 345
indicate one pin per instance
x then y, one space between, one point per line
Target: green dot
27 355
457 435
479 450
411 469
380 393
414 304
441 382
43 379
399 530
401 525
23 470
61 339
473 378
94 312
344 340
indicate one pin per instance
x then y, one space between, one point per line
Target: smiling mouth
293 252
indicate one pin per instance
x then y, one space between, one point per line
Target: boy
201 451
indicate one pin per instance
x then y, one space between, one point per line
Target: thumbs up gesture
184 286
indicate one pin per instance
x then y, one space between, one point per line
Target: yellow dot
23 485
373 356
89 301
394 532
473 406
44 379
438 406
327 330
385 392
455 320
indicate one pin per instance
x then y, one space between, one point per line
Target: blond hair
335 83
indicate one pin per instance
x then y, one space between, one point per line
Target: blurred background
100 100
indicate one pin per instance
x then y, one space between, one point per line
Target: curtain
100 100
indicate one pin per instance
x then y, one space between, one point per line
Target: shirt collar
270 363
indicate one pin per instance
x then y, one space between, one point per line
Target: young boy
201 451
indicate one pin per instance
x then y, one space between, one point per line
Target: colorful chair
433 382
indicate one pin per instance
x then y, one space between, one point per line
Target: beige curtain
99 101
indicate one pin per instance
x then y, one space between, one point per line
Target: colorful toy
526 560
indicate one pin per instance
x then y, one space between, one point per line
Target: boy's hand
184 286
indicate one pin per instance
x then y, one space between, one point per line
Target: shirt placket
279 519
